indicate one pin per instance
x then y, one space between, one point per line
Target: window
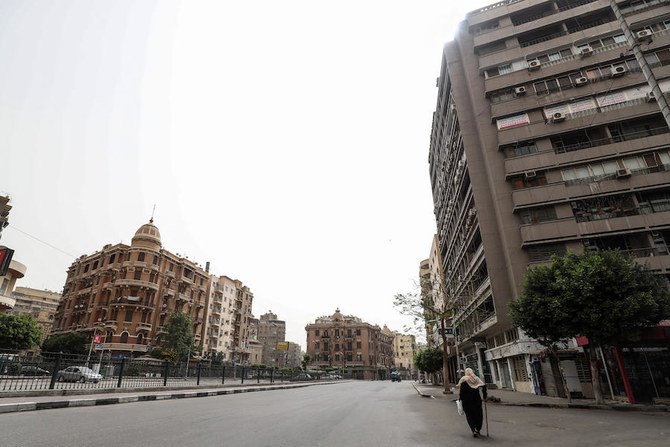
95 265
124 337
520 148
138 274
358 332
140 257
520 371
155 260
112 258
358 345
316 332
129 316
542 253
86 268
536 215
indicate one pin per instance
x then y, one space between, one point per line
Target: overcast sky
284 141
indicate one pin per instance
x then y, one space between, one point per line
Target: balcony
144 326
128 347
136 283
111 324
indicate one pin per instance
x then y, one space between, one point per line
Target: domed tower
147 236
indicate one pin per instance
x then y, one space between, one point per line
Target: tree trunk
445 359
595 374
562 374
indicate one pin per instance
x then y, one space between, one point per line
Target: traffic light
5 258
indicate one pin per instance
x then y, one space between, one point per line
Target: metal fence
49 371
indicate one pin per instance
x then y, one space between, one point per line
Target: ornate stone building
127 292
347 342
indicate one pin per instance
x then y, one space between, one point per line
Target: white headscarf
471 379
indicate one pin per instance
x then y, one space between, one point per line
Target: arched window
140 339
124 337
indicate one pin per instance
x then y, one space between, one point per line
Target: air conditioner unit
586 51
557 117
533 65
581 81
650 97
618 71
643 35
530 174
520 91
623 173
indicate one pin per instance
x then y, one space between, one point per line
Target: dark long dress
472 405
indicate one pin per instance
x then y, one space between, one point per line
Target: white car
78 374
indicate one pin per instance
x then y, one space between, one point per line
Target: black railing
561 148
48 371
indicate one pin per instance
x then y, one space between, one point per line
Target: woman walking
469 387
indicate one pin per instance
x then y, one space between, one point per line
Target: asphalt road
366 414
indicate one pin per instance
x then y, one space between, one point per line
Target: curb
647 408
72 403
615 407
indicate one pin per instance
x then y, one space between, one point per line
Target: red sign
97 339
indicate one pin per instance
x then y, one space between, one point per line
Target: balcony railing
563 148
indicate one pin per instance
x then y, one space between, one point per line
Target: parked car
78 374
301 377
29 370
395 376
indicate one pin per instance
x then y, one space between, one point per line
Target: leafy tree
69 343
435 305
18 332
179 341
541 314
604 296
429 360
305 361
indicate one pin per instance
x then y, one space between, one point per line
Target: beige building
127 292
347 342
40 304
546 138
404 348
271 331
224 309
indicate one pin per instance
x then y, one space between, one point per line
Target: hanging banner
513 121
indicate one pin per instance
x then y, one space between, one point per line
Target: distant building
228 305
404 348
40 304
347 342
294 355
271 331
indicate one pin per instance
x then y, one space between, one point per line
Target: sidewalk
513 398
49 400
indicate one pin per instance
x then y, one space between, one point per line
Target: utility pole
639 56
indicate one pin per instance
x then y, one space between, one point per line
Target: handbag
459 407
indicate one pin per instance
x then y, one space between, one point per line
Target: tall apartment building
40 304
346 341
271 331
222 313
127 292
404 348
293 355
546 138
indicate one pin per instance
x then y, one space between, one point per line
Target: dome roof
148 236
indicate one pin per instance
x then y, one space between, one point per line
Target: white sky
284 141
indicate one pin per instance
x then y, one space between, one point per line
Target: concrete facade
404 348
544 140
15 272
40 304
271 331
